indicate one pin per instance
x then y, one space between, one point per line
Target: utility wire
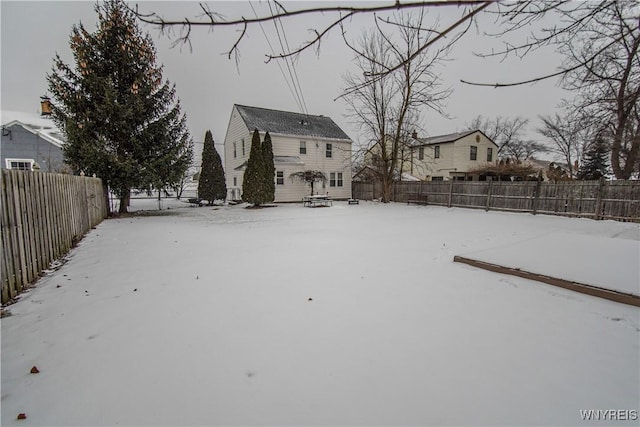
279 66
289 62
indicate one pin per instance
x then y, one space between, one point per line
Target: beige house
301 143
451 156
442 157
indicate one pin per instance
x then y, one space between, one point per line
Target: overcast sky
208 84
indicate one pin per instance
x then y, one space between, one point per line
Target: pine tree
219 182
595 160
207 172
253 180
121 120
269 169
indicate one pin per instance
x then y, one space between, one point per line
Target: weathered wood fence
43 215
618 200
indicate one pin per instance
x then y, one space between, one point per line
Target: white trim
9 161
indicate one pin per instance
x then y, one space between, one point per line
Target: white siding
454 157
235 132
430 166
462 150
287 145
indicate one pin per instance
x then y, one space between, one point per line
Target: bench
354 201
196 201
417 198
315 201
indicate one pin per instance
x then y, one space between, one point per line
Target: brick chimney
45 106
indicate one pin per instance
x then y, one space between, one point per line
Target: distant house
301 143
443 157
31 141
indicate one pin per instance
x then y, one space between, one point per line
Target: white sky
208 84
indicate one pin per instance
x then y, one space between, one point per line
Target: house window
473 154
20 164
243 147
421 153
335 179
303 147
437 178
329 152
235 181
489 154
436 152
280 177
234 150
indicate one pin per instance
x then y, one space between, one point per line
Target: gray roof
288 123
441 139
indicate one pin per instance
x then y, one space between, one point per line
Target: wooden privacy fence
43 215
618 200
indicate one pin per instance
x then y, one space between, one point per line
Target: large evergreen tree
253 180
211 184
595 160
269 169
121 119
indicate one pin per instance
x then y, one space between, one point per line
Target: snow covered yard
348 315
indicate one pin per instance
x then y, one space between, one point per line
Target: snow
345 315
39 125
579 258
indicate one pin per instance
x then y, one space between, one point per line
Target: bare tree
512 16
383 109
337 17
608 87
600 44
568 138
508 134
599 40
310 177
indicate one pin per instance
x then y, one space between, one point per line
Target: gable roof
43 127
289 123
441 139
450 137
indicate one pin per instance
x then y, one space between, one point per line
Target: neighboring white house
437 158
451 156
301 142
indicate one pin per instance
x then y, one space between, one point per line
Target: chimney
414 135
45 106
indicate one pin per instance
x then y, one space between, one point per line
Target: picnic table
317 200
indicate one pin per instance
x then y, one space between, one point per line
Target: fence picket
618 200
41 215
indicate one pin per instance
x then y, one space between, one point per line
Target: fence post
486 208
536 196
599 197
450 193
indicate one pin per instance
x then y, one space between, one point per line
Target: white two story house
451 156
301 143
454 156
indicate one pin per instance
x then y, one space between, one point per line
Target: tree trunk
124 201
620 171
387 182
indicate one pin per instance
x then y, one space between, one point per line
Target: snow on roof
289 123
441 139
38 125
277 160
408 177
288 160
